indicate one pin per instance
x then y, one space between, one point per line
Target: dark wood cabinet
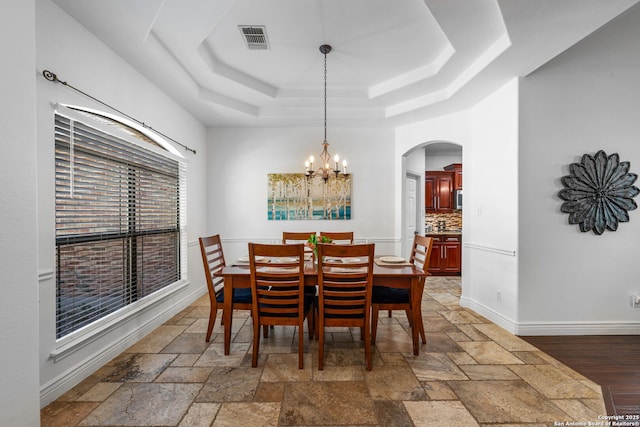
446 255
456 168
439 188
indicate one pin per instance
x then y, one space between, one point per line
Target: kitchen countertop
444 233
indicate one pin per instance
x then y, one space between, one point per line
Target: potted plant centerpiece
313 241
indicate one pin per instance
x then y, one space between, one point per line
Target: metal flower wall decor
599 192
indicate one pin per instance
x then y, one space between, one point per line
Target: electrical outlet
635 300
499 296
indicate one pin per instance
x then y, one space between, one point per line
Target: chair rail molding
486 248
45 274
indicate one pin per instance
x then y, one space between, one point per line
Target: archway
430 155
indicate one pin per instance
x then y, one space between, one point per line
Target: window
119 227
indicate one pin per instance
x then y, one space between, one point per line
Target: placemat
391 264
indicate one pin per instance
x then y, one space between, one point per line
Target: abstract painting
294 196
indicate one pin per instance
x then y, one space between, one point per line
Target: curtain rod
53 78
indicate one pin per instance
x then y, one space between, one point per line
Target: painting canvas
294 196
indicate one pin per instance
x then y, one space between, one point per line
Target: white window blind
119 228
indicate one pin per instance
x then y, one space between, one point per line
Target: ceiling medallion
599 192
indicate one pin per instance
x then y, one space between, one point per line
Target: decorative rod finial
50 76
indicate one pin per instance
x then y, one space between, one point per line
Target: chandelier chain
325 97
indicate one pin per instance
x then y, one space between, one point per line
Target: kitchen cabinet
456 168
438 187
446 255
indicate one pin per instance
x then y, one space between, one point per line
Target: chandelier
325 169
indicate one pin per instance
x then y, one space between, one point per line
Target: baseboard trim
551 328
490 314
67 380
577 328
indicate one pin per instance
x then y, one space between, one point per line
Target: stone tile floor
470 372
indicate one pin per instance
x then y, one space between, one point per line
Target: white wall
585 100
552 278
77 57
452 128
489 139
415 161
490 213
436 160
240 159
19 398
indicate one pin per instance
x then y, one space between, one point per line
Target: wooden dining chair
345 278
277 290
339 237
386 298
213 261
294 237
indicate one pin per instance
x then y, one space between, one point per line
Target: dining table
401 275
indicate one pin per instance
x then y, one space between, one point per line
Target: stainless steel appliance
457 199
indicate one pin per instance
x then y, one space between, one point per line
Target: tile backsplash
453 219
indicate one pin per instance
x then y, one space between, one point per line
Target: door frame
419 214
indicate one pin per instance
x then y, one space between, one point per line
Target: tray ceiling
392 63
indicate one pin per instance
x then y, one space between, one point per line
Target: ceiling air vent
255 36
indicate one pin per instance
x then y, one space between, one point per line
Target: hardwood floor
612 361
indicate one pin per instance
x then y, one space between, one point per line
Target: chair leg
311 323
420 325
256 341
301 344
389 313
315 315
421 329
212 319
374 322
321 345
367 348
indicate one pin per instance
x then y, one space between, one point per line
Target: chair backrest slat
339 237
277 280
212 260
295 237
277 291
345 276
292 237
345 282
421 251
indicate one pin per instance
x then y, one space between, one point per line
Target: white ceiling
393 62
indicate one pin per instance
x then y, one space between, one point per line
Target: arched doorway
431 155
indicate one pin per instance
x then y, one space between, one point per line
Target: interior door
411 211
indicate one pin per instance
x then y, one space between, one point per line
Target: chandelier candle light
325 169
